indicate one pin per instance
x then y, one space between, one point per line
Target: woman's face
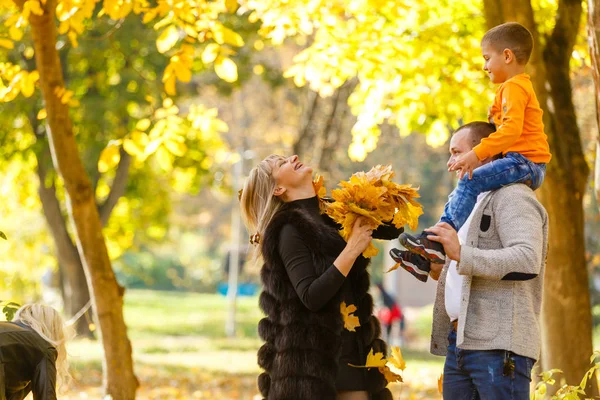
290 173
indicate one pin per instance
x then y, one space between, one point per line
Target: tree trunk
74 287
594 41
107 296
566 311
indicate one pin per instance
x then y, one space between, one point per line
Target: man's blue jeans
512 168
483 374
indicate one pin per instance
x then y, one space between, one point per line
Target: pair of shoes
421 252
411 262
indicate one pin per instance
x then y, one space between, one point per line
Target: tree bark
594 42
74 288
107 296
566 312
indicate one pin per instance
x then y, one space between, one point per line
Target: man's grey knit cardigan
503 265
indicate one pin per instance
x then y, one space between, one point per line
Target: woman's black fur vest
302 348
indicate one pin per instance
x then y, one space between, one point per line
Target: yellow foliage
389 375
397 360
14 80
6 43
375 196
109 157
351 322
378 360
226 69
167 39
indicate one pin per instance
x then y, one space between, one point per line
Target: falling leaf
395 267
389 375
351 322
441 383
396 359
226 69
374 360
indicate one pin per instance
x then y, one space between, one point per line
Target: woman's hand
361 236
358 241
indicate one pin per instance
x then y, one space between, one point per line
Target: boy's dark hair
478 130
513 36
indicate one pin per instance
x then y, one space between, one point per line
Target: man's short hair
478 130
513 36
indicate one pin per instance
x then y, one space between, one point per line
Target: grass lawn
181 351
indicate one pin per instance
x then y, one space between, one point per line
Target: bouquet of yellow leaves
373 195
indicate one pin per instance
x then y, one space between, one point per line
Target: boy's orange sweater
518 117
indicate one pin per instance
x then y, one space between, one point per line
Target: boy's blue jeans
481 374
512 168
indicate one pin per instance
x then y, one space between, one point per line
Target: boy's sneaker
432 251
413 263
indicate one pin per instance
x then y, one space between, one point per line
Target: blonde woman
308 271
33 355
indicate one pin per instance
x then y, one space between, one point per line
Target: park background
157 110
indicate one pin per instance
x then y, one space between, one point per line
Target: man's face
460 143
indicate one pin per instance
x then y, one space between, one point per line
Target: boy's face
495 63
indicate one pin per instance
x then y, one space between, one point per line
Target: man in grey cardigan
491 347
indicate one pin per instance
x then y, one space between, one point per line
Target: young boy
519 138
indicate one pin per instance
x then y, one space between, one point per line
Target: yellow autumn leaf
6 43
175 147
224 35
167 39
142 124
164 158
169 79
394 267
440 384
132 148
374 360
42 114
319 186
389 375
226 69
210 53
109 158
396 359
351 322
15 33
231 5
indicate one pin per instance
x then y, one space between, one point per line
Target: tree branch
307 129
117 189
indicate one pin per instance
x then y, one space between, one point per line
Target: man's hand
466 164
447 236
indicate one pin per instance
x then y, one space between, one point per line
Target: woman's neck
300 194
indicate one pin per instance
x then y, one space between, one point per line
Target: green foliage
566 392
9 308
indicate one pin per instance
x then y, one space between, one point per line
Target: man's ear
508 55
279 191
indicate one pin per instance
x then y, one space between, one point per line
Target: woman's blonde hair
48 323
257 202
